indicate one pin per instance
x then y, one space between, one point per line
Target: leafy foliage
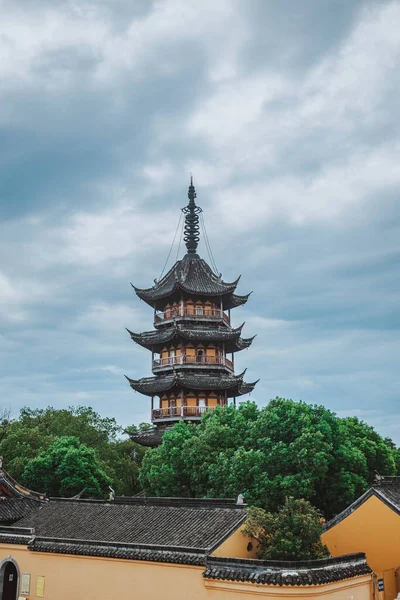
285 449
25 438
65 468
292 533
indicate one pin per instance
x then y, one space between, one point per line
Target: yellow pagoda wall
95 578
191 401
189 351
373 528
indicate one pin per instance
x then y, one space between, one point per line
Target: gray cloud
288 118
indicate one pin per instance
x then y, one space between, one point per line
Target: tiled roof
138 521
13 509
236 300
168 530
148 437
159 337
192 275
389 488
11 488
114 550
15 535
234 384
316 572
386 489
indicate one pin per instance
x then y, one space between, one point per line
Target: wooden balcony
182 359
175 413
191 313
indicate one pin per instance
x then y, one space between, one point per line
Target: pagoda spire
191 211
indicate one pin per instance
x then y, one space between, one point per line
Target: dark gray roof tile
11 488
316 572
191 274
13 509
200 527
157 338
194 276
234 384
121 551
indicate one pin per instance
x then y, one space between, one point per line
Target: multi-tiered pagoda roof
191 339
233 385
192 275
156 339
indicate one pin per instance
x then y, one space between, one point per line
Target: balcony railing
180 412
183 359
211 313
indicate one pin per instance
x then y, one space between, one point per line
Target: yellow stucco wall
92 578
351 589
236 546
89 578
373 528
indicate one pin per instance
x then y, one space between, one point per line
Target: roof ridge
330 561
376 490
139 546
163 501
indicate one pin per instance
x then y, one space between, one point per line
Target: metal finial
191 192
191 211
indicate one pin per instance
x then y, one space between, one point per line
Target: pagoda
191 340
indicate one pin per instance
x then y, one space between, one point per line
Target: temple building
156 549
193 343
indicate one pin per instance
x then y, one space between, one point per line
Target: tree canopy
23 439
285 449
66 468
291 533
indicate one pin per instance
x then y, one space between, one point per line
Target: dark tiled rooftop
389 488
149 437
13 509
168 530
317 572
201 525
15 535
122 551
11 488
192 275
234 384
159 337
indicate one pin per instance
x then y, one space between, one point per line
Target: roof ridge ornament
192 230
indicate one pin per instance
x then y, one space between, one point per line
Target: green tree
24 438
66 468
285 449
292 533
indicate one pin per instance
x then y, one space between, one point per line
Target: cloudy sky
287 114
